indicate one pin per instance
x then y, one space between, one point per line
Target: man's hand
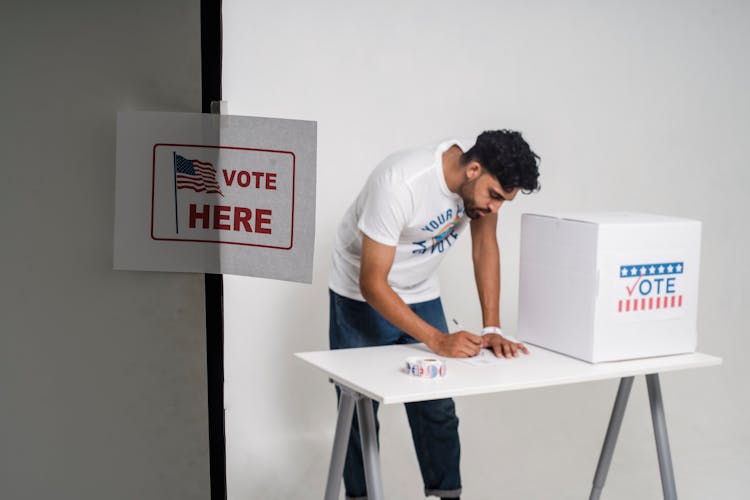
502 347
457 345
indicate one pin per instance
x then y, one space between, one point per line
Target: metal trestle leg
368 437
660 434
340 442
370 451
608 448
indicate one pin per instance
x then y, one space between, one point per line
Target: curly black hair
507 156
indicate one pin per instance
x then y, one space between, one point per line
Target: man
384 288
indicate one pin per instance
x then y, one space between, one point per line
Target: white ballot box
609 286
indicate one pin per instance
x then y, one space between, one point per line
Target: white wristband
499 331
491 329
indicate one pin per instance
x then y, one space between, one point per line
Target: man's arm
486 258
376 263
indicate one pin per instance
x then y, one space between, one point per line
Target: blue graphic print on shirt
442 231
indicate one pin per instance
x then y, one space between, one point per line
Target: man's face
482 192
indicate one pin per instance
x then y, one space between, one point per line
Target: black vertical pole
211 52
174 175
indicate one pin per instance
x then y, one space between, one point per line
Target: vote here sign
219 194
222 194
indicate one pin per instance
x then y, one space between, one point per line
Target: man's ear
473 170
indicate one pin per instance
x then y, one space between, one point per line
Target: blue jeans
434 425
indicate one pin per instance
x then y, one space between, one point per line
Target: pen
461 327
458 325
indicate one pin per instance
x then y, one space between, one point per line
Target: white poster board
215 194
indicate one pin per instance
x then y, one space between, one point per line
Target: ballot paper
485 358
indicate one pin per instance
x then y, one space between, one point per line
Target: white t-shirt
405 203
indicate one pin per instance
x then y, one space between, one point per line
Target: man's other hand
502 347
461 344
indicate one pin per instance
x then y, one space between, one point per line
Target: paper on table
484 358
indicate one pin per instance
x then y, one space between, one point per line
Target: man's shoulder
404 165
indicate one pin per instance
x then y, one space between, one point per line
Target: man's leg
434 425
434 429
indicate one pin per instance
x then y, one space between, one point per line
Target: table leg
340 442
370 452
608 448
660 434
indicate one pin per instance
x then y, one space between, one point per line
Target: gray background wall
102 373
632 105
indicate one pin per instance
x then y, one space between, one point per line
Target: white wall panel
631 105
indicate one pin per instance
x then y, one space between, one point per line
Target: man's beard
473 212
469 207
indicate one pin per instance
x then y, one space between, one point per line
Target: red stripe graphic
649 303
190 184
201 190
189 180
181 183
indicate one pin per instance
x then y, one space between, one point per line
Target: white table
378 373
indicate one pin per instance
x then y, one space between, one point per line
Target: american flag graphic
196 175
